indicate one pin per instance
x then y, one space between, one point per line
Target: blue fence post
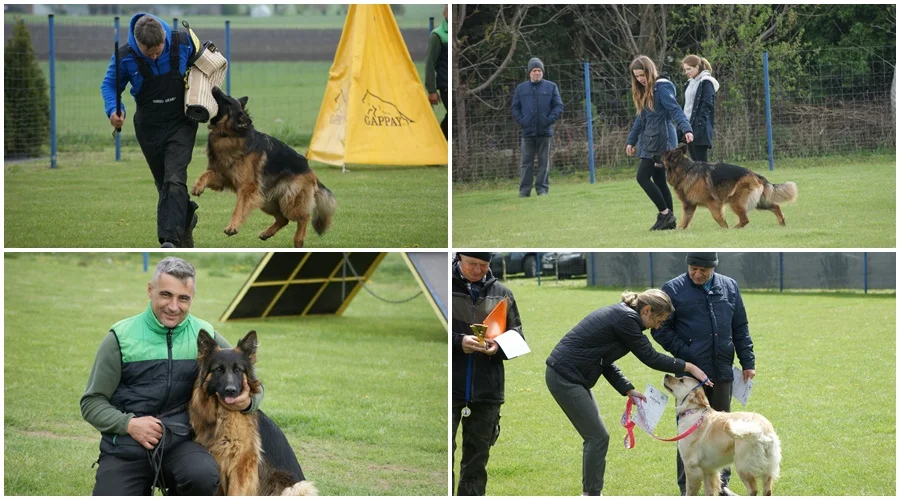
431 24
592 275
174 24
651 269
589 116
780 271
540 268
768 109
146 261
228 57
865 272
118 136
52 93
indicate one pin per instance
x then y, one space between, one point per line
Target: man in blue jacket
709 326
155 67
536 106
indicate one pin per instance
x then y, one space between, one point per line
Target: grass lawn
826 379
844 202
90 200
362 397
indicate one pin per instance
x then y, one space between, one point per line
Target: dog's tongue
229 400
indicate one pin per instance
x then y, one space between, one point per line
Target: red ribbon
628 424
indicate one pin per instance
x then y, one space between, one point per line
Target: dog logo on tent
340 109
382 113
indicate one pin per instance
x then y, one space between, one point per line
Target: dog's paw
196 191
263 236
231 231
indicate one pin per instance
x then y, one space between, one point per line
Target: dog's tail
765 455
301 489
325 205
779 193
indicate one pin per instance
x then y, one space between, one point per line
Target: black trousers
443 93
720 400
188 469
480 431
653 181
698 153
168 147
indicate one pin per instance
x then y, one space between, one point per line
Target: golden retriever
746 439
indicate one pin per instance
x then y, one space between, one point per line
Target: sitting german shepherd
264 172
715 185
232 437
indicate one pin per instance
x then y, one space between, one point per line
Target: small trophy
479 330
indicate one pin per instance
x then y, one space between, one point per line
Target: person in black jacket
708 327
478 375
589 350
700 104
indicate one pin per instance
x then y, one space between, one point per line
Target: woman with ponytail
590 350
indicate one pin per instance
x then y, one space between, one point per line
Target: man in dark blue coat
536 106
709 326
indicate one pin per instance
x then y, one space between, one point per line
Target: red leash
629 426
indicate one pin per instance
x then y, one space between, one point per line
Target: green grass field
362 397
92 201
826 379
414 16
843 202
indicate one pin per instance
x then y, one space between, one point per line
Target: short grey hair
175 267
149 32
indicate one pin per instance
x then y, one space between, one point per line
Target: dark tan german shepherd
715 185
264 172
232 437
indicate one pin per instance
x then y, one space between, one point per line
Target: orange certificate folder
496 320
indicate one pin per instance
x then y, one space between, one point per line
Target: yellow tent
375 109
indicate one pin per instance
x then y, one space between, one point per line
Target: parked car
565 264
520 262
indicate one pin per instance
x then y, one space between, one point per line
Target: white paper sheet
650 412
740 389
512 343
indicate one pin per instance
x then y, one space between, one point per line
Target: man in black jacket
478 376
709 326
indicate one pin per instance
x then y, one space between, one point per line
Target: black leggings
699 153
653 181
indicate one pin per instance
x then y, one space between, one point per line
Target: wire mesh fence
283 70
836 102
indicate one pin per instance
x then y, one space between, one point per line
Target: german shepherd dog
264 172
232 437
715 185
746 439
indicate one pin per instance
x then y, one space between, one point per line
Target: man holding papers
708 327
589 350
478 376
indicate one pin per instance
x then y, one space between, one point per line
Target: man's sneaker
168 244
187 241
668 222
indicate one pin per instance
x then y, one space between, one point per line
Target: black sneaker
187 241
660 218
168 244
668 222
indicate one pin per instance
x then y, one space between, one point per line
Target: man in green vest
139 390
436 76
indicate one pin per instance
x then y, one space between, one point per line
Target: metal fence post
540 268
228 57
52 93
590 120
865 272
780 271
651 269
592 275
146 261
118 136
768 109
431 24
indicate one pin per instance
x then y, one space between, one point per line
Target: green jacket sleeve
256 399
96 408
431 55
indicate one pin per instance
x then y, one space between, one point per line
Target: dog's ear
205 345
683 147
243 101
248 345
698 397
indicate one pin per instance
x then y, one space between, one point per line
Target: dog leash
155 456
628 424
